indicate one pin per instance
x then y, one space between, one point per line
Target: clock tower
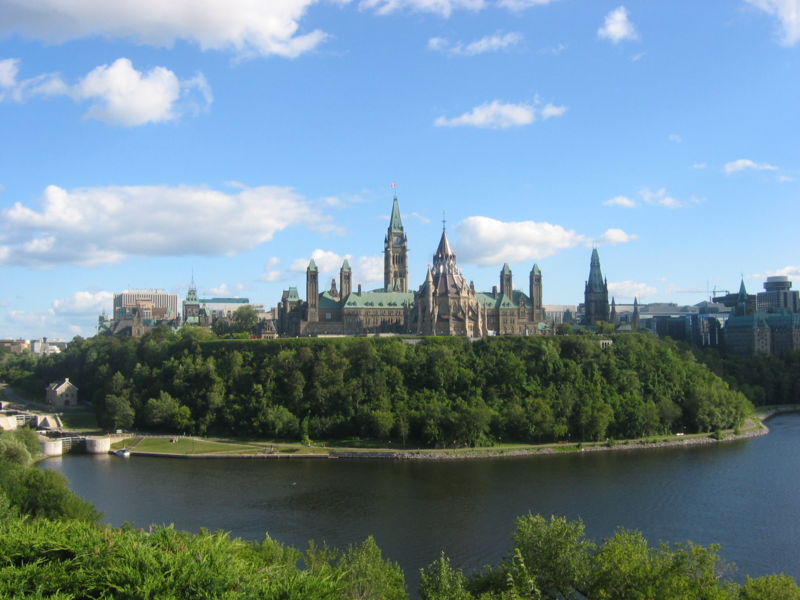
395 254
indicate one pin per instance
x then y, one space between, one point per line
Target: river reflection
742 495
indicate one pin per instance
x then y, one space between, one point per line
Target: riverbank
191 447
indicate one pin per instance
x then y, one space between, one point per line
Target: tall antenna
394 189
444 222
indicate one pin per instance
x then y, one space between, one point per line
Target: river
742 495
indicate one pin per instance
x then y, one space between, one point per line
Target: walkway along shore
753 427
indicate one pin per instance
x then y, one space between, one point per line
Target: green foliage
13 450
764 379
441 392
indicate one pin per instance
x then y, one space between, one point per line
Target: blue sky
143 141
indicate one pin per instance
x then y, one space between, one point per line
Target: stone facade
61 393
445 303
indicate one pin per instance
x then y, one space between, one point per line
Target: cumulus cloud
745 164
118 93
617 27
84 303
517 5
326 261
790 271
490 43
660 197
443 8
623 201
9 67
249 27
271 270
487 241
613 237
631 289
365 269
788 14
368 269
498 115
102 225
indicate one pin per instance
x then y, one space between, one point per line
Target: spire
395 223
535 270
312 266
345 265
506 268
742 290
596 282
444 252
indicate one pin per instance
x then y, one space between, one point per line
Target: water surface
742 495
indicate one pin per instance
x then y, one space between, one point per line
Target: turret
506 285
535 288
312 291
345 280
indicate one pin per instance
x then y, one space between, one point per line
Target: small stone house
62 393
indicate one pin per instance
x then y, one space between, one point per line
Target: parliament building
445 303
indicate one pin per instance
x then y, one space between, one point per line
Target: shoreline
757 428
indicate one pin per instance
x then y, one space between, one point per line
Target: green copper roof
502 300
395 224
326 301
535 270
595 282
312 266
224 301
345 265
292 294
506 268
380 300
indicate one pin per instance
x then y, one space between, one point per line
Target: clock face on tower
398 239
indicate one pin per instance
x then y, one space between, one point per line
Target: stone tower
596 293
345 280
506 285
635 317
395 254
537 309
312 292
613 317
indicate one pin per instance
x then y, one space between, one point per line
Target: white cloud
557 49
326 261
30 318
701 165
124 96
617 27
489 43
551 110
787 12
790 271
497 115
660 197
517 5
9 67
92 226
443 8
631 289
249 27
118 93
223 290
368 269
271 271
487 241
84 303
744 164
785 178
614 236
675 138
623 201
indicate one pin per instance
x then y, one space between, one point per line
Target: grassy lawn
82 422
184 445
